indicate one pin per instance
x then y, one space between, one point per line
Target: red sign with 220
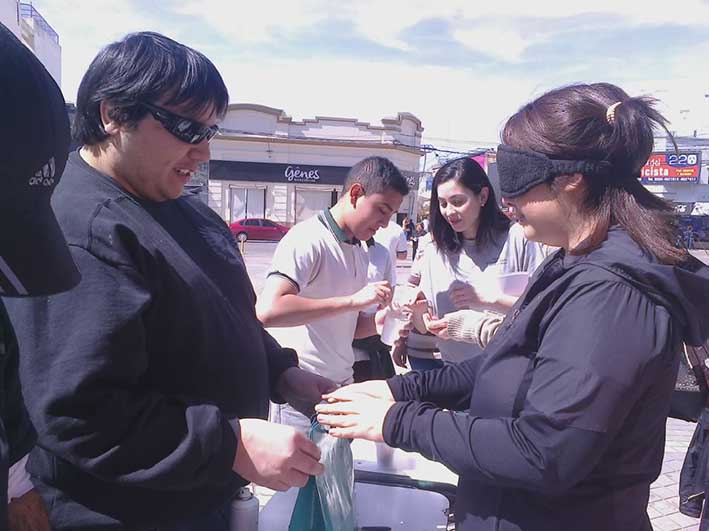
672 167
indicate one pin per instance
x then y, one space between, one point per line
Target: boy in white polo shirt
317 284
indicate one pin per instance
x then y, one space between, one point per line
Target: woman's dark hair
145 67
492 221
570 123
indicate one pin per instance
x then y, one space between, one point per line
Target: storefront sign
672 167
231 170
295 174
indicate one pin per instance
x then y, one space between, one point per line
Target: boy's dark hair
571 123
145 67
375 175
470 174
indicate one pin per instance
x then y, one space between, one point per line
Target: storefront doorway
247 203
310 202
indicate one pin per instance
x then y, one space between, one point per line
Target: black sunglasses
183 128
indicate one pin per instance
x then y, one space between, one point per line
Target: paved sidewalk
663 507
664 500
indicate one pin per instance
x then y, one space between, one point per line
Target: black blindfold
521 170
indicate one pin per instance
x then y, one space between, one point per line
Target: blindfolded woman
560 423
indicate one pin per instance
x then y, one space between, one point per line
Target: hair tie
610 112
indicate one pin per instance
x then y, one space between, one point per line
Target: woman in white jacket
473 244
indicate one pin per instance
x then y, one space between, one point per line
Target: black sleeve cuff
279 361
396 386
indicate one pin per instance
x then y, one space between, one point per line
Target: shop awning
684 209
700 209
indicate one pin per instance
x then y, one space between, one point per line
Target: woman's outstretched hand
378 389
362 418
357 411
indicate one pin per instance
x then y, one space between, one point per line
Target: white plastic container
396 318
394 321
244 511
385 455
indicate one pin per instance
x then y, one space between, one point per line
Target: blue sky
460 66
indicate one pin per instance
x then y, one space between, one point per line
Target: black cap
34 145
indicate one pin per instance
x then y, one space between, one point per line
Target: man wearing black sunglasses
149 382
187 130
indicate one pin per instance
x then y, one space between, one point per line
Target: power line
340 138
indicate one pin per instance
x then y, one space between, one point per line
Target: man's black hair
375 175
145 67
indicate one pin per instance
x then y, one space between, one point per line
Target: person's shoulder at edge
379 255
378 250
518 240
515 233
391 231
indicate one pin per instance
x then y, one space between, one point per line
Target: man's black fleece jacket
132 377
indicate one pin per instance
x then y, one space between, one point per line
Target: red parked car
257 229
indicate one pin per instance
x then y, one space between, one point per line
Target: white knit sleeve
473 326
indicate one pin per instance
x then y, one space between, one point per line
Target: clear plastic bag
326 501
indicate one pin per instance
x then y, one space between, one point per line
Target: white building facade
267 165
32 29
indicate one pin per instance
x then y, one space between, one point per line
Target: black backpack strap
697 359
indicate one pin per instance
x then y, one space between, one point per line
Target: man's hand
275 456
417 308
398 353
27 513
303 389
438 327
373 293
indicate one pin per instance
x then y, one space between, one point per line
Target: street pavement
664 502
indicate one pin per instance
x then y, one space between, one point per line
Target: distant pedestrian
417 233
689 236
408 227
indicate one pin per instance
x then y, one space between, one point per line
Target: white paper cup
385 455
393 324
513 284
